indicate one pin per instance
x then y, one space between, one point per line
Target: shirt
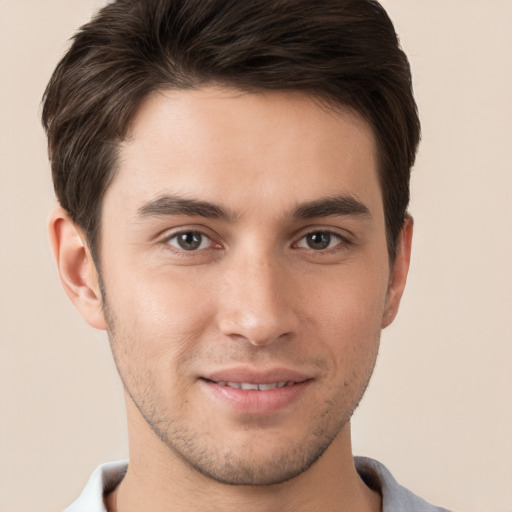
395 498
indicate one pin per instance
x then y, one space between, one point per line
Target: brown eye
190 241
319 240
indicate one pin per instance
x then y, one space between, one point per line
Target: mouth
249 377
246 391
250 386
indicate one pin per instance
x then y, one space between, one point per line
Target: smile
249 386
261 396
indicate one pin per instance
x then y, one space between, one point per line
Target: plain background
438 411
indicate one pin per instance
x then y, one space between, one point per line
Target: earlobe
77 271
399 273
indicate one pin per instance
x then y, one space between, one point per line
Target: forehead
244 150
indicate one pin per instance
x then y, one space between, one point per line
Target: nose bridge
255 302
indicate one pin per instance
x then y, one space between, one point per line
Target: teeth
266 387
247 386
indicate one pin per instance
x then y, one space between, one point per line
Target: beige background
438 411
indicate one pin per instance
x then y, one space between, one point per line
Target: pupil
189 241
319 240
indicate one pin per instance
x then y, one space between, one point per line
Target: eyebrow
167 205
174 205
330 206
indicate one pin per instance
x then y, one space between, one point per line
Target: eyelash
192 232
342 243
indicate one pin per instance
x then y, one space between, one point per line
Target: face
246 277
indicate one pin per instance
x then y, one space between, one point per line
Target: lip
255 402
254 376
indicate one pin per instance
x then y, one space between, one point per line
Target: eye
190 241
319 240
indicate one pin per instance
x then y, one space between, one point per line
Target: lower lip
254 401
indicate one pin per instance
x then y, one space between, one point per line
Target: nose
257 301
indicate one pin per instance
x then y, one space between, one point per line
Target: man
233 180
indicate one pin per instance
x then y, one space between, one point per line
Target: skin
274 284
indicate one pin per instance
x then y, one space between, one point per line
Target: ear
399 273
76 267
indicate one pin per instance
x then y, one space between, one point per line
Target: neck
160 481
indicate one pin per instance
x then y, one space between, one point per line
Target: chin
254 463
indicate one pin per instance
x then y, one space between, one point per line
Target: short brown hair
344 51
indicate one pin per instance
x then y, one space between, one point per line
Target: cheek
158 319
348 313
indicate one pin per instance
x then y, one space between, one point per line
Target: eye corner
333 246
320 240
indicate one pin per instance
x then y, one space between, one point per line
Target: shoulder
395 498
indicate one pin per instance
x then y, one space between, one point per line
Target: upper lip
256 376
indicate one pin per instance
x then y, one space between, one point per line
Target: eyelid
344 234
332 234
345 237
204 240
171 233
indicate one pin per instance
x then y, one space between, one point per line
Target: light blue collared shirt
395 498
